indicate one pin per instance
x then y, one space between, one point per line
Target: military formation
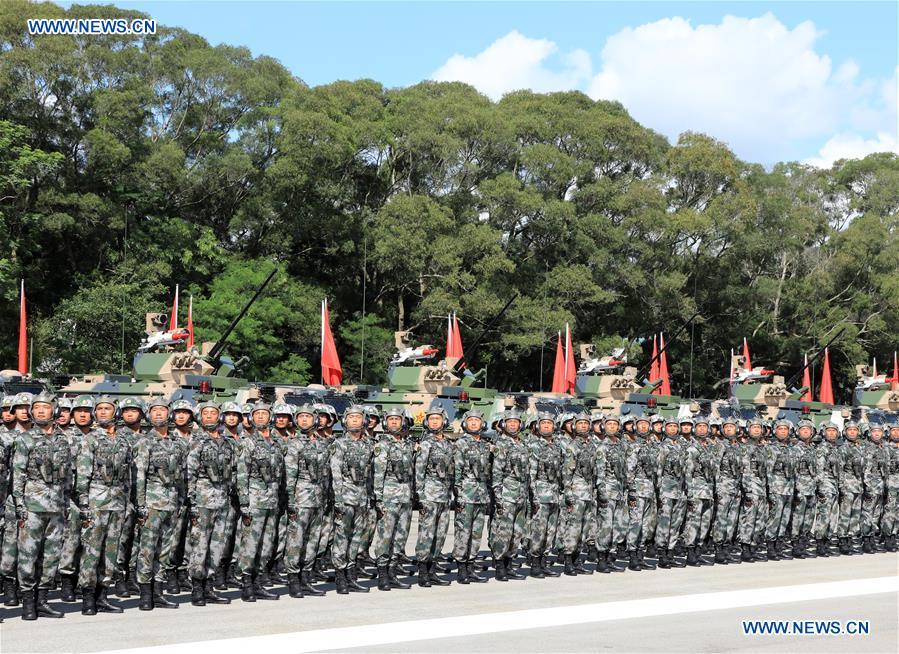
107 496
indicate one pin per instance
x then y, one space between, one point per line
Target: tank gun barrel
817 356
457 368
671 339
215 354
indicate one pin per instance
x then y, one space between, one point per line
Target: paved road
691 609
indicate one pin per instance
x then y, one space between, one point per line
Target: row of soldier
213 496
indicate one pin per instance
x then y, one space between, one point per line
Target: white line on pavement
319 640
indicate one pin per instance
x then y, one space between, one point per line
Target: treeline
130 164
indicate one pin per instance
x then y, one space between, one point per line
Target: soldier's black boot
868 545
537 568
845 546
746 553
644 564
352 581
159 600
293 585
633 562
306 585
891 543
212 597
383 580
474 576
579 565
103 603
146 598
613 565
511 571
675 563
433 578
220 579
546 567
131 581
184 580
799 548
652 551
393 577
171 582
821 548
197 597
423 580
121 588
67 594
88 600
231 578
663 561
43 609
261 592
602 564
721 554
773 554
462 573
499 565
692 558
12 592
29 605
247 591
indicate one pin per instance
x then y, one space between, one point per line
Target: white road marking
319 640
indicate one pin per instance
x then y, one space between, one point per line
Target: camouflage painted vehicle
13 382
874 391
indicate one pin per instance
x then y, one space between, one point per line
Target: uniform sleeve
242 485
21 449
336 464
458 461
85 469
141 463
600 462
380 471
533 463
421 464
568 464
497 470
291 471
690 464
193 470
631 463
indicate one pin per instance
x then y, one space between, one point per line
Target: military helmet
628 419
783 422
371 412
671 420
157 401
353 409
83 402
595 417
436 410
614 417
829 424
656 418
282 409
44 397
545 415
261 406
183 405
512 414
8 402
23 399
805 422
231 407
730 420
246 409
714 421
473 413
582 416
851 423
311 409
410 419
686 420
702 419
396 412
207 404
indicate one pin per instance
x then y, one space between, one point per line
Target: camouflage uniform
509 479
642 459
671 472
853 465
579 485
804 501
68 558
781 473
472 493
830 468
754 514
700 499
8 521
545 483
611 523
876 469
125 562
393 472
890 523
729 481
433 485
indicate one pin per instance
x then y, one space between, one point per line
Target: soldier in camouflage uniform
781 473
671 471
580 491
21 410
405 525
471 495
754 514
509 480
876 467
351 475
804 502
890 524
372 420
700 487
728 482
260 466
641 462
284 432
611 520
306 470
131 411
830 467
545 486
159 466
232 431
183 433
42 482
327 419
393 470
103 485
7 440
853 462
433 487
209 466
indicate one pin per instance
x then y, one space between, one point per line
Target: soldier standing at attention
545 488
260 465
7 510
754 515
830 466
728 482
103 484
372 420
672 471
351 472
581 492
877 463
21 410
393 456
806 462
471 495
781 471
641 495
509 479
131 411
853 462
183 434
699 491
226 574
611 522
890 524
434 484
209 482
42 478
159 465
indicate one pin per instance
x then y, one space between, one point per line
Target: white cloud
852 146
516 62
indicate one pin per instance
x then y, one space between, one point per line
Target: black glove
691 505
339 508
602 503
632 501
498 509
747 502
87 518
820 496
292 512
194 515
379 510
141 512
21 515
245 516
416 502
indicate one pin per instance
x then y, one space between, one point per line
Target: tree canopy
131 163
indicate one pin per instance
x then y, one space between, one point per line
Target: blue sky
825 73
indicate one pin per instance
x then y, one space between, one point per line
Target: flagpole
322 345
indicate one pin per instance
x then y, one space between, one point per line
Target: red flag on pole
332 373
23 334
654 366
449 336
825 393
665 388
874 365
190 322
747 364
457 338
807 382
173 321
559 368
570 370
894 385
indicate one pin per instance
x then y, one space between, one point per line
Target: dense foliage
130 164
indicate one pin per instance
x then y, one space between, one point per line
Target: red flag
190 322
665 388
825 393
332 373
559 368
457 338
807 382
747 364
449 336
23 334
570 370
173 321
894 385
654 366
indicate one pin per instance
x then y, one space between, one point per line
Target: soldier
700 484
890 523
806 463
509 480
131 411
372 420
183 434
853 462
728 482
42 479
580 492
327 418
159 466
232 431
754 514
351 474
393 470
402 533
103 484
830 468
781 483
21 411
209 467
545 486
641 463
657 424
246 414
7 440
876 467
433 486
671 471
611 520
306 473
260 466
471 495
